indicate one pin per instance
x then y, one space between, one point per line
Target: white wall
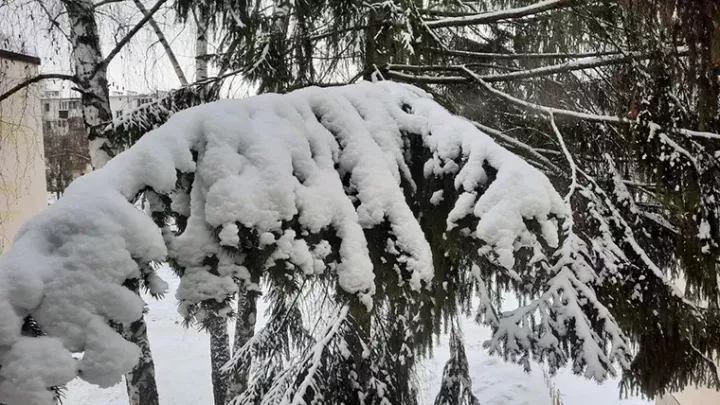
692 396
22 165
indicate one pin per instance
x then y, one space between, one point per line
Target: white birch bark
201 46
92 76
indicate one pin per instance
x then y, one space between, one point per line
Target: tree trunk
140 382
201 45
163 41
219 355
379 43
244 331
91 72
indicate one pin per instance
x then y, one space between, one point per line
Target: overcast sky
142 66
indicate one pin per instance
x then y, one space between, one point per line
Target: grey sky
142 66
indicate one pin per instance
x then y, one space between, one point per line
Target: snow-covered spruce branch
335 175
515 334
512 142
507 14
456 385
600 198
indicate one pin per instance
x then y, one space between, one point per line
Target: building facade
691 396
66 145
57 110
22 166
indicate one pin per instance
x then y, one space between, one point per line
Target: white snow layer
261 161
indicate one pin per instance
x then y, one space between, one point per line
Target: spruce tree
614 101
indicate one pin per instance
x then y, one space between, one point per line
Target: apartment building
57 110
65 137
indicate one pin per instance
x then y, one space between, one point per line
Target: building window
47 107
63 114
118 113
74 105
64 105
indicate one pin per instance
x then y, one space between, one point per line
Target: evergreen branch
610 119
571 162
316 354
517 56
118 47
629 237
411 78
533 151
495 16
582 64
35 79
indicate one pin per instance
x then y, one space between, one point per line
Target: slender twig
533 151
68 153
104 2
494 16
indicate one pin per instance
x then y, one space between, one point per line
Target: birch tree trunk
140 382
92 76
201 45
91 73
219 338
244 331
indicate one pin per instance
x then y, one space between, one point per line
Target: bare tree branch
69 153
104 2
130 34
494 16
163 41
35 79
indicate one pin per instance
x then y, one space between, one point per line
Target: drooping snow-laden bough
369 214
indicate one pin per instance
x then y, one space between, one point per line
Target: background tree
66 155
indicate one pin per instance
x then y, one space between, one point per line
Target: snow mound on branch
330 159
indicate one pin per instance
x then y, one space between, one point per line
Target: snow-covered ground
183 369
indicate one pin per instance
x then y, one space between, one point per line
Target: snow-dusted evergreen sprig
133 124
562 324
